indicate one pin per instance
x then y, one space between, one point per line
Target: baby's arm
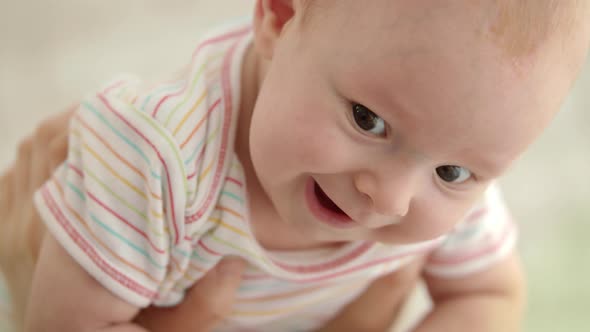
64 297
475 277
492 300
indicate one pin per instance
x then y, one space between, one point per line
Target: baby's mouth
325 201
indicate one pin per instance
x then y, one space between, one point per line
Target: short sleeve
484 237
117 203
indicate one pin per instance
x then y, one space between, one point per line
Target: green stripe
76 190
233 196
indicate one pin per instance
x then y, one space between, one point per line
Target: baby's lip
341 210
377 221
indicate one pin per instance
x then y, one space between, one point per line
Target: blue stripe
232 195
124 240
121 136
77 191
160 90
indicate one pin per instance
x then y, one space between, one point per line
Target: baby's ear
270 18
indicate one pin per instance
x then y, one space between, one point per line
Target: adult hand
378 308
206 304
20 231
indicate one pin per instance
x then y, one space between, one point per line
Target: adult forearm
123 328
479 313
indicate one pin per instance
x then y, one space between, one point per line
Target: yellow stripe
279 296
189 113
329 296
117 175
230 227
230 211
206 171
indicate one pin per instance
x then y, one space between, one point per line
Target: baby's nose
389 196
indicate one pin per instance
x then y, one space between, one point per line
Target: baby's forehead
518 27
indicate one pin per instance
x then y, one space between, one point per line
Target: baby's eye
453 174
367 120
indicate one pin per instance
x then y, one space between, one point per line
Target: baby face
386 120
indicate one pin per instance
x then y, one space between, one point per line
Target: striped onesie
152 196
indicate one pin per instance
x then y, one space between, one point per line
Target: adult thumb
213 296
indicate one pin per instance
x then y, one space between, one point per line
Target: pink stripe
209 250
201 154
329 265
363 266
441 260
231 34
238 183
195 53
114 86
226 85
168 182
142 233
91 252
475 215
181 91
76 170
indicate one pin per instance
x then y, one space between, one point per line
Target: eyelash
353 107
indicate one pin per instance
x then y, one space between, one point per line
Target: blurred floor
52 52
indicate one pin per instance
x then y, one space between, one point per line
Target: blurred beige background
52 52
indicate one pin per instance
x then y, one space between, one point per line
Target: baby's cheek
431 219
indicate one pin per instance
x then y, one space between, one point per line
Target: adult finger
6 187
6 199
57 151
205 305
22 170
52 129
217 290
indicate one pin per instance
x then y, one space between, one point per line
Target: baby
327 143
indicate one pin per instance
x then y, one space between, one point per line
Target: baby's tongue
325 201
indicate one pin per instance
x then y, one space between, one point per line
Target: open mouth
324 209
325 201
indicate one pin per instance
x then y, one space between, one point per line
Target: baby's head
398 114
